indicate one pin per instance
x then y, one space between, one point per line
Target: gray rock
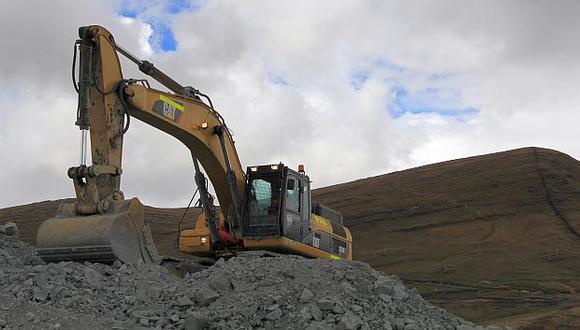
337 309
274 315
316 313
10 229
325 304
398 324
29 316
400 293
288 273
305 313
411 325
317 326
205 296
93 278
39 295
347 286
277 299
183 302
154 292
383 285
220 262
272 307
306 295
387 326
220 285
196 321
123 268
349 321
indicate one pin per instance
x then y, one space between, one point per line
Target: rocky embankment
251 291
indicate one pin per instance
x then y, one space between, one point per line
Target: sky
350 89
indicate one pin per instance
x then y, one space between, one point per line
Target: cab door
294 207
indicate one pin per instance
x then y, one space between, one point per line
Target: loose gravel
253 290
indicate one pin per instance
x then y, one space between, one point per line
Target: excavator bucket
119 234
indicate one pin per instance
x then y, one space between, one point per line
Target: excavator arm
107 102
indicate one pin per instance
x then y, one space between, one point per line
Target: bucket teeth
97 253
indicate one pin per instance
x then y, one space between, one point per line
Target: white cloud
517 62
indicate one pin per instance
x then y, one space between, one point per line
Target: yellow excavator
267 207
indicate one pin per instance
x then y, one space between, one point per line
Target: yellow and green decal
168 108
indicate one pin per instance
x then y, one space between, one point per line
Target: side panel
331 237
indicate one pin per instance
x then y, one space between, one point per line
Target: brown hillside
494 238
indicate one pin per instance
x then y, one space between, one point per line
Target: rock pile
250 291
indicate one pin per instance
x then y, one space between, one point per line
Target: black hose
206 97
78 107
119 87
184 213
120 90
74 62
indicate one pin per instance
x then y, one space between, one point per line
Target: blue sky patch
382 63
159 16
127 12
360 75
278 79
177 6
445 102
163 37
359 78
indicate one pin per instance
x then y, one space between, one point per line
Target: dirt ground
494 238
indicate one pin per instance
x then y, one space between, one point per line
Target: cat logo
168 108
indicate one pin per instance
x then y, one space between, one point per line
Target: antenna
281 142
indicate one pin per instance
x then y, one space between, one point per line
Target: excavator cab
277 200
278 216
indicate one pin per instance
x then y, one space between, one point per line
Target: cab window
293 195
264 196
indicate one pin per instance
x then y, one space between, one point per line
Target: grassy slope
490 238
477 235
